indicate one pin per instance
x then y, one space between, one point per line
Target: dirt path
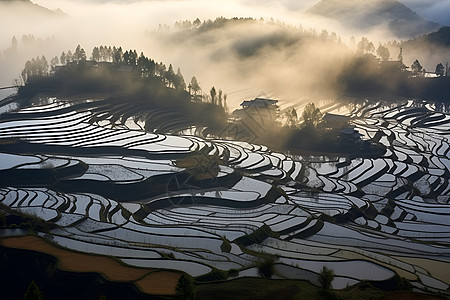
150 281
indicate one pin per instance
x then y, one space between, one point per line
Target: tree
220 98
63 58
96 54
14 43
365 46
69 57
266 268
179 83
311 115
33 292
292 118
77 53
170 76
213 94
185 289
416 68
383 52
197 23
82 54
440 70
117 55
194 87
326 277
225 105
54 61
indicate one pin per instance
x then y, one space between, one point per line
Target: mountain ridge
27 6
401 20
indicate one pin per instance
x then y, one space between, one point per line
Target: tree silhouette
78 54
292 118
383 52
416 68
96 54
170 76
440 70
63 58
180 84
311 115
69 57
194 87
213 94
54 61
219 98
365 46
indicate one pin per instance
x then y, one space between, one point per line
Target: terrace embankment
150 281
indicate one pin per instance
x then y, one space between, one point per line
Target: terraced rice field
114 189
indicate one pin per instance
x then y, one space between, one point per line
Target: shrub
226 246
33 292
326 277
185 289
266 267
167 255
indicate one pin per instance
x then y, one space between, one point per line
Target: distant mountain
430 49
27 7
438 38
367 15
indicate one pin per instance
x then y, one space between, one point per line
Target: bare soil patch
150 281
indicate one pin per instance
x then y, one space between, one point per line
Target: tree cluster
35 67
115 58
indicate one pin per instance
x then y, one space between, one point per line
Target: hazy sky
433 10
127 23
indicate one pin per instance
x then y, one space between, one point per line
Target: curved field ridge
187 203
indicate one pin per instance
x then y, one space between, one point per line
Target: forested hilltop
124 78
299 62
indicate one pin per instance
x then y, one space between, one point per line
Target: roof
349 131
335 118
259 102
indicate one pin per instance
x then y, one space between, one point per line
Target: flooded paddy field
113 189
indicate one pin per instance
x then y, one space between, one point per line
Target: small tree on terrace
326 277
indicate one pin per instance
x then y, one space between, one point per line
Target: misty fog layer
290 58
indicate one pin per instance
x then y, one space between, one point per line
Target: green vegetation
225 246
167 255
266 267
185 289
326 277
33 292
217 275
257 236
124 78
200 165
25 221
